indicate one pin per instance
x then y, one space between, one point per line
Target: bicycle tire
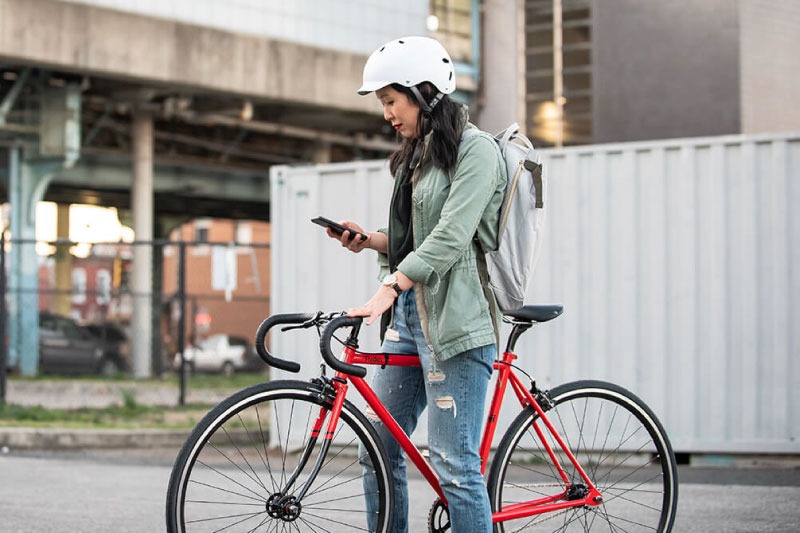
234 461
619 443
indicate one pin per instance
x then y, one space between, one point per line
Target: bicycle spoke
257 497
613 440
236 482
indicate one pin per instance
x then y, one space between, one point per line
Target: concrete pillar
502 100
30 172
63 263
28 179
142 267
322 153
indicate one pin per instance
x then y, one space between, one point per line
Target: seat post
516 332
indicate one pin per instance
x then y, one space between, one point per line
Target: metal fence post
182 319
3 315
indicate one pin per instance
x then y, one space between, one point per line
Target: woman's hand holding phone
350 234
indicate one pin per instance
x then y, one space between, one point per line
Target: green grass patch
238 381
129 415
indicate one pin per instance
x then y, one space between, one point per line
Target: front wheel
619 443
249 466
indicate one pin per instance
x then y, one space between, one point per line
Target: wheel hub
285 508
577 491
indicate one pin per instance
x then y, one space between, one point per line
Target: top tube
522 319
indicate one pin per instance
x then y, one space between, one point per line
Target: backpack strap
536 173
504 136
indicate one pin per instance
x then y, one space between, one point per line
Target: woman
432 299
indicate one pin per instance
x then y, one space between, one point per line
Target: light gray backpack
522 217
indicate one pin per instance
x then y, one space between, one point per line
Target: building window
450 22
244 233
201 236
201 227
103 287
571 121
78 285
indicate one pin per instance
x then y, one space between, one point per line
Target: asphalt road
123 491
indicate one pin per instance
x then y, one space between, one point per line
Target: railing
197 289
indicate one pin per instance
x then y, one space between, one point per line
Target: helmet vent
382 49
401 42
445 60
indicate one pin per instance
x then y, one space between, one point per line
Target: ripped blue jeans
453 391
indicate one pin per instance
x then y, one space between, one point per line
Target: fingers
353 242
371 314
380 302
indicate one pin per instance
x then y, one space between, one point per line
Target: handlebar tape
261 335
325 346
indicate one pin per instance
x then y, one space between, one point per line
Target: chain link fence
74 308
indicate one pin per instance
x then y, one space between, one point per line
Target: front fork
286 505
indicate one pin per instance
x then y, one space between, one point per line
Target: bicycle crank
438 517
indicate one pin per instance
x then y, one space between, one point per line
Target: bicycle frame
505 376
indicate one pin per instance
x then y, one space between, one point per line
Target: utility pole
558 73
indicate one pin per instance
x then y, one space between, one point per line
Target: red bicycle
284 455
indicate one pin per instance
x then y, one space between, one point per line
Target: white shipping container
676 262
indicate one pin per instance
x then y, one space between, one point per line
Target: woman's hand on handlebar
381 301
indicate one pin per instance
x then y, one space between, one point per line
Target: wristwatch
391 281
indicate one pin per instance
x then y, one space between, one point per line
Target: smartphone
337 228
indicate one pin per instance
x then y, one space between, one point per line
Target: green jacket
455 305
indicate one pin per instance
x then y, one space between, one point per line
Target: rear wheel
234 472
615 438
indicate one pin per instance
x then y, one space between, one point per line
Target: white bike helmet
409 61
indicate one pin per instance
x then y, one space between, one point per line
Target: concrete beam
97 41
186 182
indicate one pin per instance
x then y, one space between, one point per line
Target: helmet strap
426 107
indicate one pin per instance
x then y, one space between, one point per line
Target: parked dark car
115 342
65 347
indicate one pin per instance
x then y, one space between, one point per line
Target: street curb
79 439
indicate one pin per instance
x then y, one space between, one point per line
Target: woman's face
400 111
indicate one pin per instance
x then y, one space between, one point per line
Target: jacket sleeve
474 184
383 259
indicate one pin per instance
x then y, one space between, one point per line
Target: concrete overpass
165 119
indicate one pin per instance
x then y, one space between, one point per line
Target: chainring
438 517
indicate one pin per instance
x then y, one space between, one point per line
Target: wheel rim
630 464
235 475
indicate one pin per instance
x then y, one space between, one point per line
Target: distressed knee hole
446 403
436 376
371 415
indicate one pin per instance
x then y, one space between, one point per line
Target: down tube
402 439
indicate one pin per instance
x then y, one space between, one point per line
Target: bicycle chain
549 516
539 521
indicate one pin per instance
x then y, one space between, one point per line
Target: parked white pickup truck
220 353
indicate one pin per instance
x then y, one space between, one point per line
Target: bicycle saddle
536 313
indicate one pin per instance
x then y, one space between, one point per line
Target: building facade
631 70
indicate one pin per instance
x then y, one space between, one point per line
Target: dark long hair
445 121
